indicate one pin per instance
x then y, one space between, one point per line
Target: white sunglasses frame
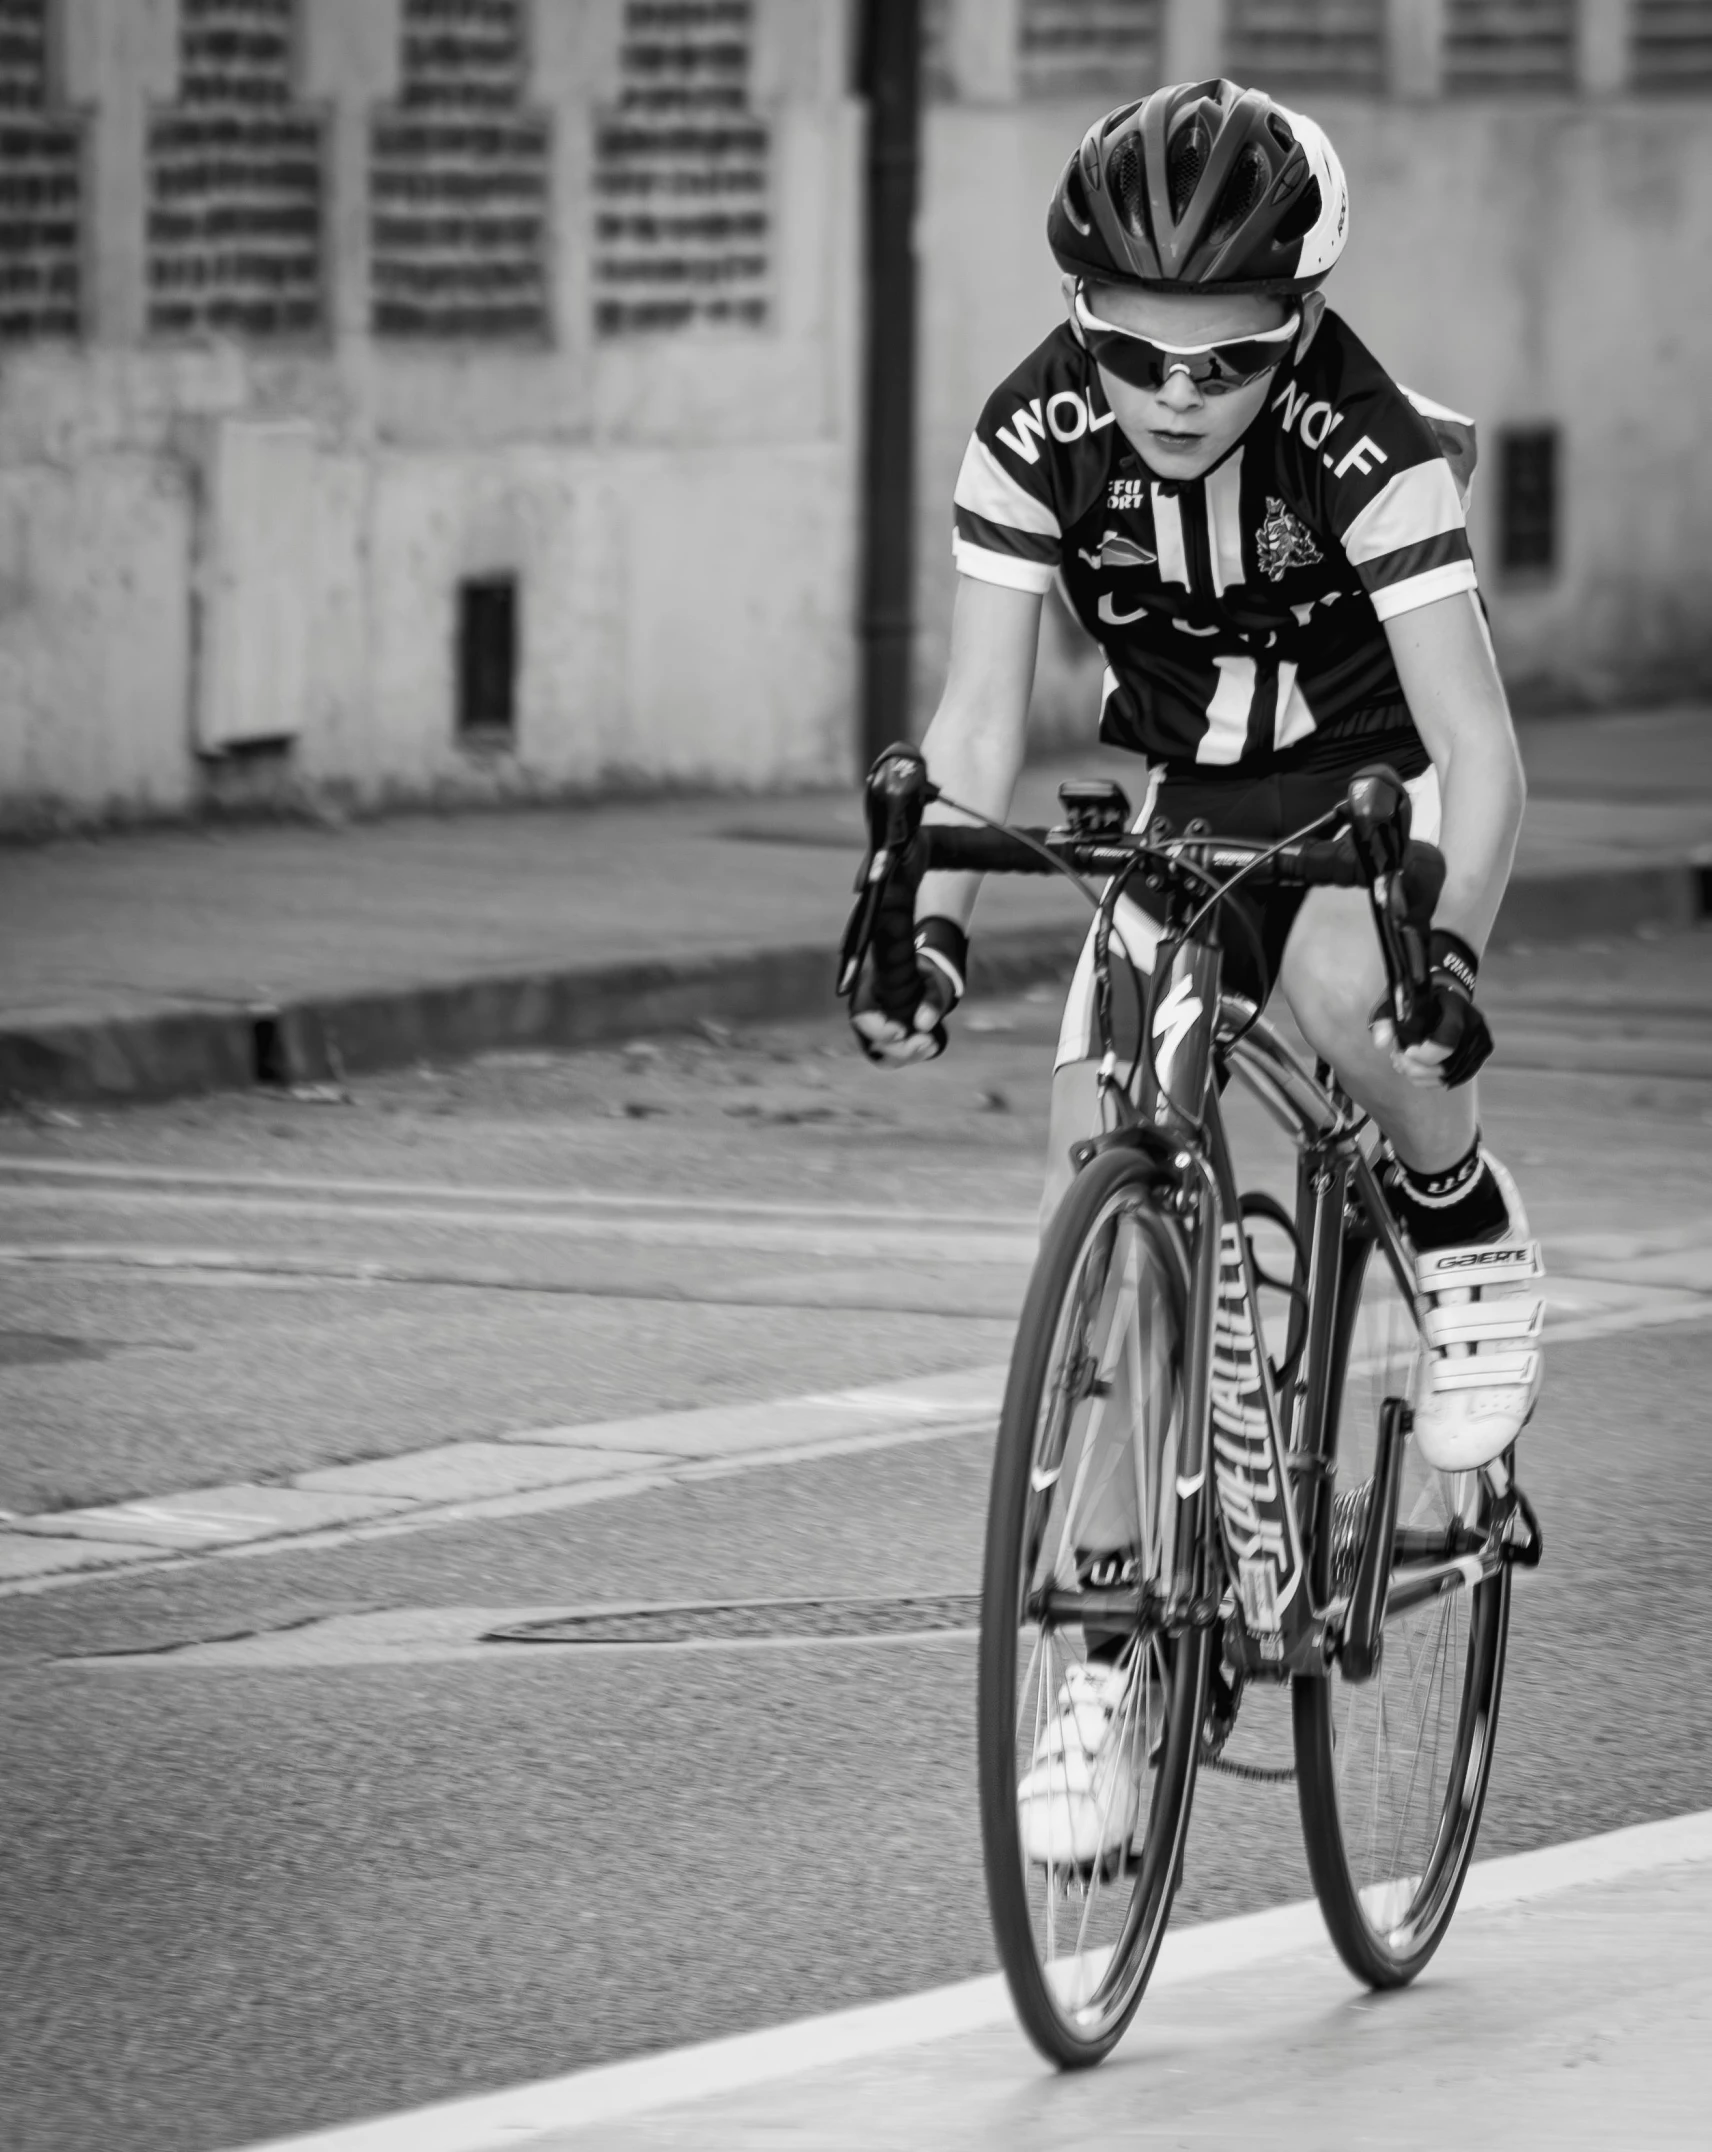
1086 318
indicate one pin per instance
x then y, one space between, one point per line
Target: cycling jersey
1241 613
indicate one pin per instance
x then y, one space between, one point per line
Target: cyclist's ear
1067 285
1313 313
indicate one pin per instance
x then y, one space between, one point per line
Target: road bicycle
1187 1500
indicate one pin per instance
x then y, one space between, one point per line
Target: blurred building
1531 242
420 399
423 398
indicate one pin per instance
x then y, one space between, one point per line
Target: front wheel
1391 1773
1089 1711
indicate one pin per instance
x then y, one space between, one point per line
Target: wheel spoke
1104 1415
1397 1769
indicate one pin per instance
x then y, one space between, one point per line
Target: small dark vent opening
1528 500
487 658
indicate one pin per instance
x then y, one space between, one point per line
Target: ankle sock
1458 1207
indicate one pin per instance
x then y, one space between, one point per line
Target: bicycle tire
1109 1202
1388 1912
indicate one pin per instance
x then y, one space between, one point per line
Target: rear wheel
1084 1499
1391 1773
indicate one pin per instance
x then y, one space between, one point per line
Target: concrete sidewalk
170 961
1568 2006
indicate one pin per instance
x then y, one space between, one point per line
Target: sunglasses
1145 363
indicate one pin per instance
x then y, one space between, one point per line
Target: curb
175 1050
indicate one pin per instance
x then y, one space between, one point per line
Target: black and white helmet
1202 183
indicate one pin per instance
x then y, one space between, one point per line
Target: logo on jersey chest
1126 493
1283 541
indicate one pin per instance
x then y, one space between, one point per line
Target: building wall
1533 250
373 296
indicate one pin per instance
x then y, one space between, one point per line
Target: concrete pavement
1569 2005
172 961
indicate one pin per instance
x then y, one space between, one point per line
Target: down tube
1249 1473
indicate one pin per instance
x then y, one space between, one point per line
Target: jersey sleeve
1397 502
1006 526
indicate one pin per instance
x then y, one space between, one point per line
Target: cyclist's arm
974 746
1444 659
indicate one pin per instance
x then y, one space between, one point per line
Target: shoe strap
1486 1371
1520 1316
1481 1266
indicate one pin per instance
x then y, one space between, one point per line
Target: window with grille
1070 46
40 187
683 218
458 175
1509 44
234 180
1670 45
1528 500
1307 44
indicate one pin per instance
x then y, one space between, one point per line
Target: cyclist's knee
1331 978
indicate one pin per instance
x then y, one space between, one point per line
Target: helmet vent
1076 201
1185 161
1243 189
1128 184
1302 215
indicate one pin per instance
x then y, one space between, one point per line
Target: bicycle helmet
1202 183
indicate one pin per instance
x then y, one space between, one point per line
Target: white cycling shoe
1080 1796
1480 1374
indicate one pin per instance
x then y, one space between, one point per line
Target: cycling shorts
1260 809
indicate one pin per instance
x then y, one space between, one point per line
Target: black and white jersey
1240 613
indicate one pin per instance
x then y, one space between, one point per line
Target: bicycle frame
1269 1462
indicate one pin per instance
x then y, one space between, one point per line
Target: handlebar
1372 850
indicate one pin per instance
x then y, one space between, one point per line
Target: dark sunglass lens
1129 357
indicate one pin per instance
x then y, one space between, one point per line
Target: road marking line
614 2092
22 1170
1672 1308
492 1509
807 1235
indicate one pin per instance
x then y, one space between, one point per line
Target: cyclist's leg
1075 1108
1482 1375
1332 976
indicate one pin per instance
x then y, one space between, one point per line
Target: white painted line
22 1171
615 2092
941 1405
536 1502
762 1236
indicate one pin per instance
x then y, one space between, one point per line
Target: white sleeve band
1425 589
1006 568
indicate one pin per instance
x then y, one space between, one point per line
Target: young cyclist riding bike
1266 536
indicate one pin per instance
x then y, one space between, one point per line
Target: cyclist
1266 536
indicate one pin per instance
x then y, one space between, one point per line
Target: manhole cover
738 1621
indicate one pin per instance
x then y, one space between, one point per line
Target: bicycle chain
1259 1774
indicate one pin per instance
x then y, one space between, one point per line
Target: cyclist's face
1178 429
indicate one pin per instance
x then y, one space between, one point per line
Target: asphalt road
244 1897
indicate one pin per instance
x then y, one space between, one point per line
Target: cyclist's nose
1179 393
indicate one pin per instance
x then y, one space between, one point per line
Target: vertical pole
891 71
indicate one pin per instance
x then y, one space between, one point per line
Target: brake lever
895 792
1404 878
